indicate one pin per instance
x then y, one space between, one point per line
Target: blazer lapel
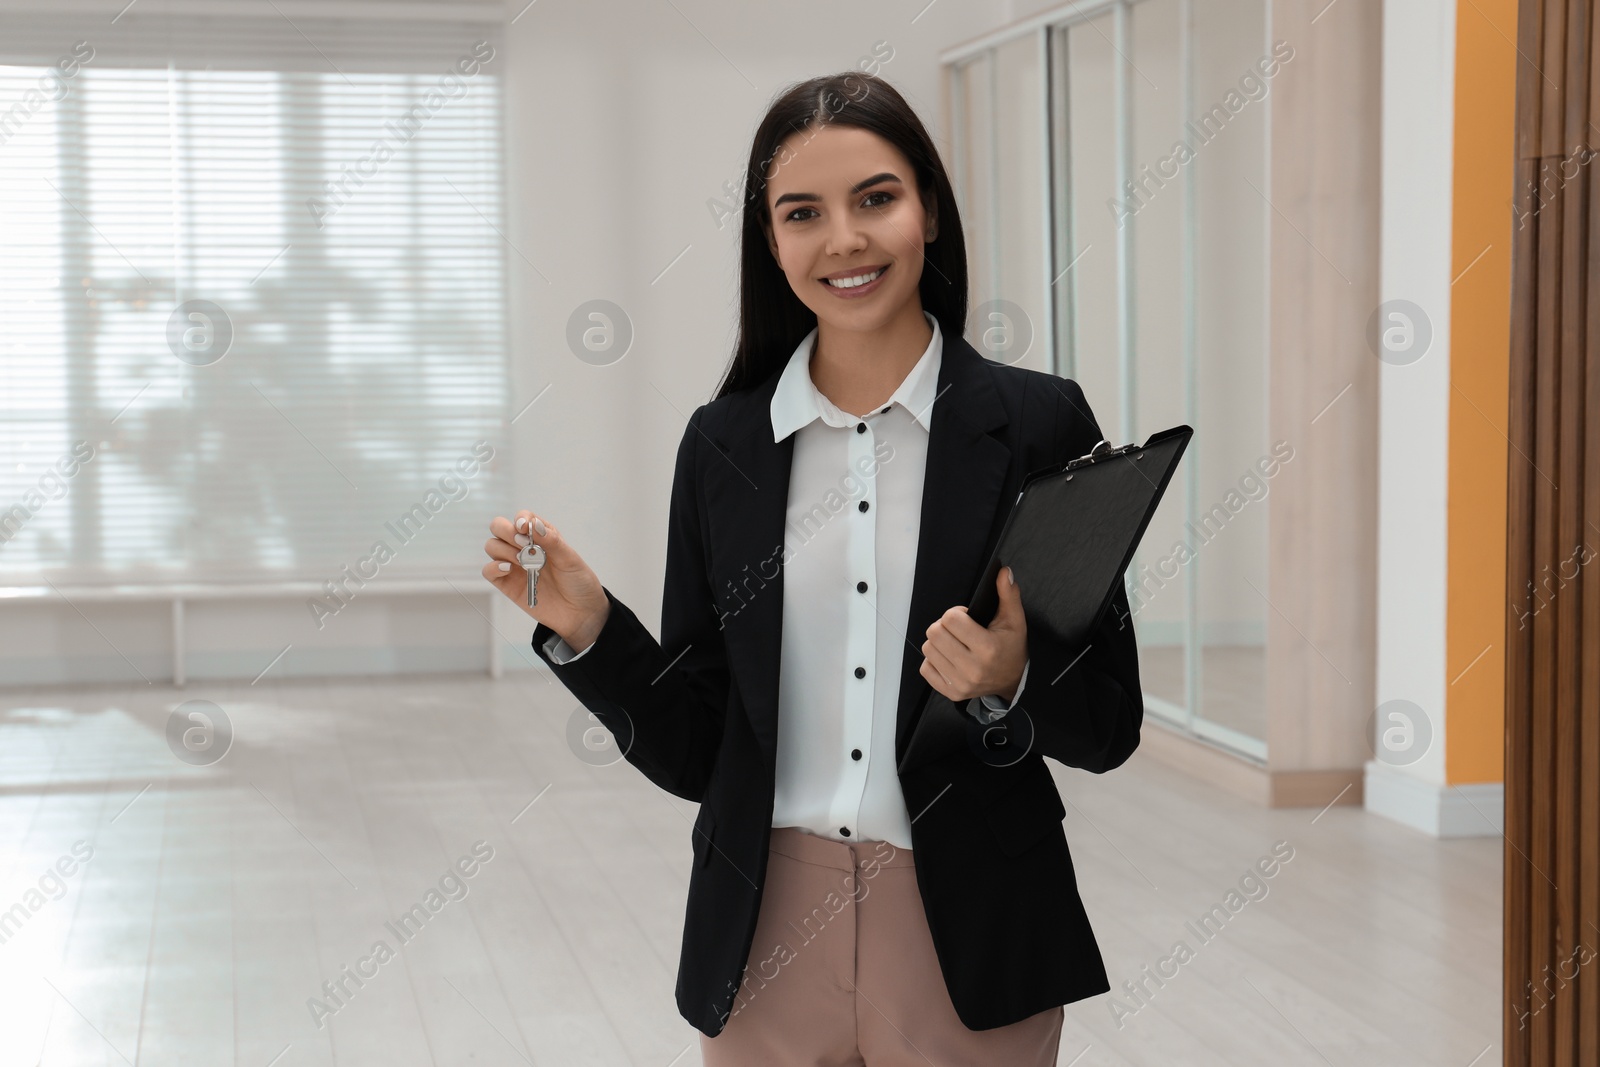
961 490
747 495
747 499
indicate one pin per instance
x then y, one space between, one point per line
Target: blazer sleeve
1086 704
664 702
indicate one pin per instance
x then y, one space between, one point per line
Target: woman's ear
931 232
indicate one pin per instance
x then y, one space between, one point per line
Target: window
252 312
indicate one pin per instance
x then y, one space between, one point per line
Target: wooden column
1552 855
1323 274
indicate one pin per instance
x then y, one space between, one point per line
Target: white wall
1418 117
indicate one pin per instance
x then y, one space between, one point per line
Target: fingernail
538 524
1012 575
524 540
505 566
522 523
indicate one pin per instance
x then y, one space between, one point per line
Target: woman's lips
859 290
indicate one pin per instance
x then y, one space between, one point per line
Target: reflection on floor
1233 683
157 912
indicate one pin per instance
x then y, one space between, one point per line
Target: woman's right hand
571 599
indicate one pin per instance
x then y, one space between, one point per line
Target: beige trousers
842 972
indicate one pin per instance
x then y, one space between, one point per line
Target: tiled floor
219 898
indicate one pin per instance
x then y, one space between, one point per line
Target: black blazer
697 713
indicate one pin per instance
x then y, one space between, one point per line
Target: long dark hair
772 320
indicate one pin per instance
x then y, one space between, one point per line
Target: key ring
531 558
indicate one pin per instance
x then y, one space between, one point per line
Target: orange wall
1480 339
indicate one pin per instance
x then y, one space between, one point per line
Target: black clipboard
1069 539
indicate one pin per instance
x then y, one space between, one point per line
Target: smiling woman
785 714
862 192
853 254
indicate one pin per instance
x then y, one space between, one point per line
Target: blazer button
862 506
861 672
855 753
861 427
845 830
861 587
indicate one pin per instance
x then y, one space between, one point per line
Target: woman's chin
871 314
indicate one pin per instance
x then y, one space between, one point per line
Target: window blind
252 308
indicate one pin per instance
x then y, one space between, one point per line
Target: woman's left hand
963 659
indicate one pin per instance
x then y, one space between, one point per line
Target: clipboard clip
1102 451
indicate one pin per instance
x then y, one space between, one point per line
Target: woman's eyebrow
886 176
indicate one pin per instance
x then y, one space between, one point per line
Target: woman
845 907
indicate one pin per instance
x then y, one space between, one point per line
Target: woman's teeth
851 283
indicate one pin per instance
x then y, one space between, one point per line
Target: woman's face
844 205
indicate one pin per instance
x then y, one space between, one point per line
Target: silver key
531 558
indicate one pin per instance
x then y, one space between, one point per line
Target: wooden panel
1318 789
1552 862
1323 269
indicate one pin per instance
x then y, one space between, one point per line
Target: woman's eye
791 216
886 198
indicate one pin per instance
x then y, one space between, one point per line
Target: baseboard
302 661
1474 810
1244 777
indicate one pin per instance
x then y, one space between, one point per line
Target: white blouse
847 576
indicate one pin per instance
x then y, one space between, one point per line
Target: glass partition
1003 168
1111 174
